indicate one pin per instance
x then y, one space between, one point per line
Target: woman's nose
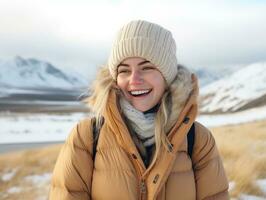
136 78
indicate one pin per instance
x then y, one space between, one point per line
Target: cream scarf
142 124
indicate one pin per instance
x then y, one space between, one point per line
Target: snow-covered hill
209 75
33 73
245 88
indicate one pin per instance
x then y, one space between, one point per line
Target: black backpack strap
96 134
190 140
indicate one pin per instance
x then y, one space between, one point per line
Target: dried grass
243 148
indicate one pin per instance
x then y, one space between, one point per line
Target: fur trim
180 89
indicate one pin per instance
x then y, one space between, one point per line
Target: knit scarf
142 124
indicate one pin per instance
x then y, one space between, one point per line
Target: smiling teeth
138 92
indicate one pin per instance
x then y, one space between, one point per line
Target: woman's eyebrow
141 63
122 64
144 62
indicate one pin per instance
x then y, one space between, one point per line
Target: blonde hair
164 119
161 120
99 93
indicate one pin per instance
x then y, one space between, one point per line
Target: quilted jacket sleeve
71 179
211 180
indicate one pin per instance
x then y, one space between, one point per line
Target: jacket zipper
143 190
142 184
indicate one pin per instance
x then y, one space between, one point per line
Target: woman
145 104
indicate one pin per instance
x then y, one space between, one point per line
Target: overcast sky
78 34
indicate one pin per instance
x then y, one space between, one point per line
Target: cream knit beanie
147 40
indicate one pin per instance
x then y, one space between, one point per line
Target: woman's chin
142 108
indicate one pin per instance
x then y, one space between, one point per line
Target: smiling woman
143 142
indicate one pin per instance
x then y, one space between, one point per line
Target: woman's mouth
139 93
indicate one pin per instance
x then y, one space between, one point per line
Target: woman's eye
123 71
148 68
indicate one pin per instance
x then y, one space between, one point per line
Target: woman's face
141 83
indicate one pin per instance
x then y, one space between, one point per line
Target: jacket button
134 156
186 120
156 178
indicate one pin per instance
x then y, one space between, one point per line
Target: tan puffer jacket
119 172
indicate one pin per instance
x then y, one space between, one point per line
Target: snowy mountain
245 88
32 73
209 75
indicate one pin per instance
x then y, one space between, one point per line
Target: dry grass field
243 149
26 174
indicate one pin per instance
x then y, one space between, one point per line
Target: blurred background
49 54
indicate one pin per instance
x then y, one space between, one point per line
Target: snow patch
14 190
250 197
33 128
231 185
262 184
254 114
39 180
9 175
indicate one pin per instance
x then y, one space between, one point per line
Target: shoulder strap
190 139
95 137
96 134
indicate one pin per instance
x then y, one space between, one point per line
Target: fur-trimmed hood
184 90
184 86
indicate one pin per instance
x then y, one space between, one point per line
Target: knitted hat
147 40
